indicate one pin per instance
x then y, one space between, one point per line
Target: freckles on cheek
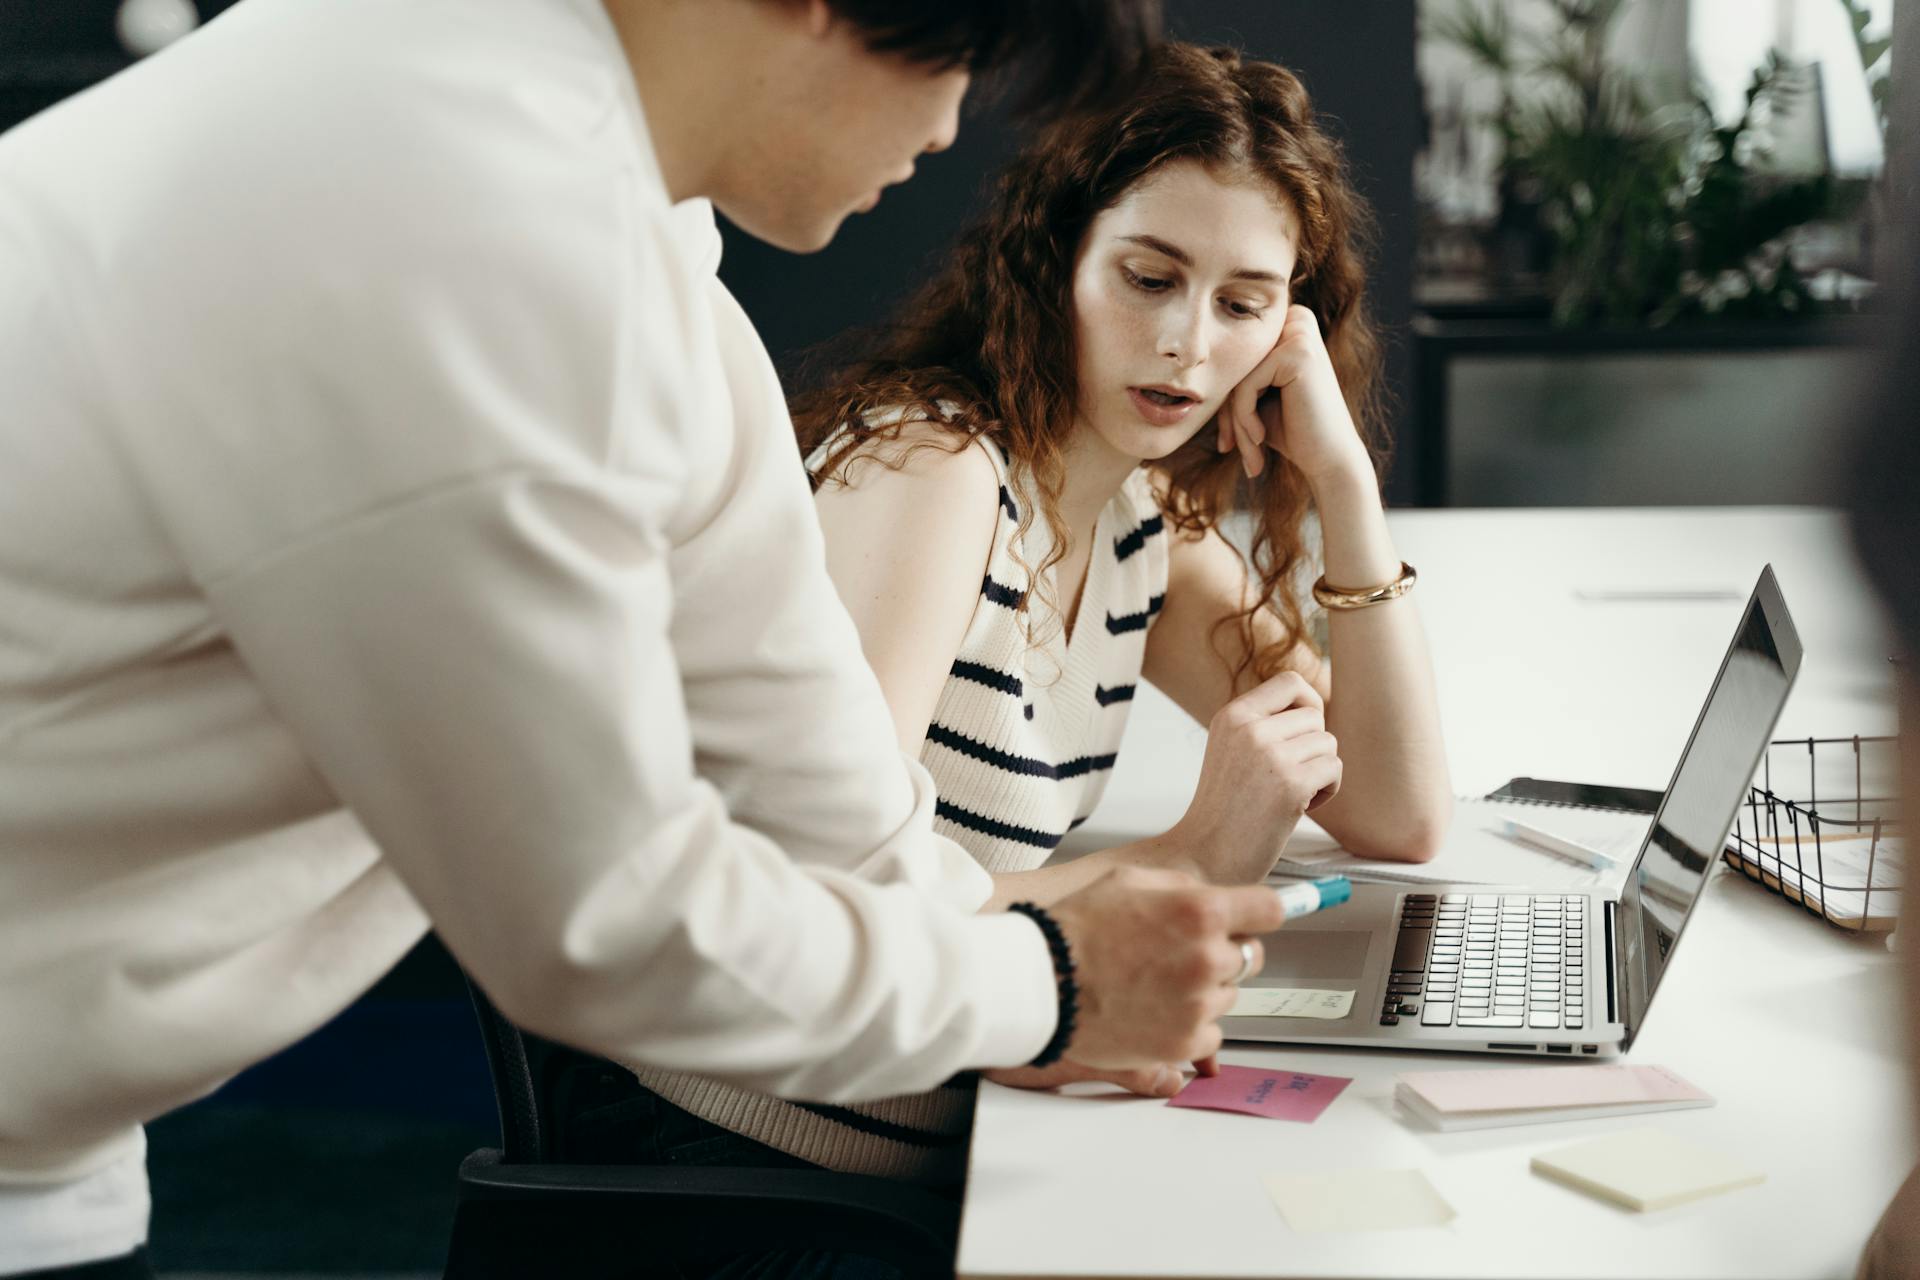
1128 327
1248 352
1102 323
1096 305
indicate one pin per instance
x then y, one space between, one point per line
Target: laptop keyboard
1490 960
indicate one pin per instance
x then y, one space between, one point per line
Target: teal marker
1305 897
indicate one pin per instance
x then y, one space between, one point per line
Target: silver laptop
1491 970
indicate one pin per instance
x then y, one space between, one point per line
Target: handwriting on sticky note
1290 1002
1277 1095
1358 1200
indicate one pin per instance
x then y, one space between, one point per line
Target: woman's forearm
1395 800
1180 849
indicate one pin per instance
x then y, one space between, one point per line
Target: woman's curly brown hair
987 347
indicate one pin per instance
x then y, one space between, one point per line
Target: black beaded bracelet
1063 977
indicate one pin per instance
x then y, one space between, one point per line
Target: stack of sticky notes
1645 1169
1483 1099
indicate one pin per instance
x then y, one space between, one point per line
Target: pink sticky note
1278 1095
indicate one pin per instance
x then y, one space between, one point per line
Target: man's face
853 123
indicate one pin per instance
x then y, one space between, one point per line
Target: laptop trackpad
1315 955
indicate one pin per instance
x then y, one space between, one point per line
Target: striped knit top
1023 739
1026 729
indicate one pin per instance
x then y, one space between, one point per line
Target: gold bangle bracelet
1363 597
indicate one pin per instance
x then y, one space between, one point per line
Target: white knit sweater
1022 742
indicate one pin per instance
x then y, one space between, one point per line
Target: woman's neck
1095 471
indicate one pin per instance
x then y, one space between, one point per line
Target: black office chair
522 1214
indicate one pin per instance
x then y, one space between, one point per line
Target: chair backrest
517 1061
555 1217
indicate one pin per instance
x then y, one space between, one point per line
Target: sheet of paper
1358 1200
1835 875
1290 1002
1618 835
1277 1095
1476 851
1515 1088
1645 1169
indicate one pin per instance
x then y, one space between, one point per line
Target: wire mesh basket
1821 829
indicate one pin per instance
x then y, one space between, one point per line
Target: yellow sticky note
1645 1169
1358 1200
1290 1002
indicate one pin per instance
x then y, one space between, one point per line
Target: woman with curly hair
1023 483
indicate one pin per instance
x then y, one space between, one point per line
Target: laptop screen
1708 786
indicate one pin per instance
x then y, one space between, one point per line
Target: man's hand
1156 954
1149 1082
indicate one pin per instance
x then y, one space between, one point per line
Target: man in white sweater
400 527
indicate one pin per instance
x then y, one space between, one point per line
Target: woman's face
1178 292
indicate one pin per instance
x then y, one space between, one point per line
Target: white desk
1793 1026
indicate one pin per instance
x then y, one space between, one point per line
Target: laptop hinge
1614 976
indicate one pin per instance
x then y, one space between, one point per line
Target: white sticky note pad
1358 1200
1645 1169
1290 1002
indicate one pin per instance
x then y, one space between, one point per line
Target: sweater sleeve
454 477
829 784
484 675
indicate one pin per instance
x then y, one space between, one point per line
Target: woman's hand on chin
1292 403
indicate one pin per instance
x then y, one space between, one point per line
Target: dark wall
52 48
1357 58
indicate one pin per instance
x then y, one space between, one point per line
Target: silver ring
1246 964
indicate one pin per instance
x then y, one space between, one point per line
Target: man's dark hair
1885 481
1061 54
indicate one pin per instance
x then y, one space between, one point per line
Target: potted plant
1648 213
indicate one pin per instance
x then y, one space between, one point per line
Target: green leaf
1486 34
1653 212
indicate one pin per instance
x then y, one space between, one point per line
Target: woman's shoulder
911 456
926 488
